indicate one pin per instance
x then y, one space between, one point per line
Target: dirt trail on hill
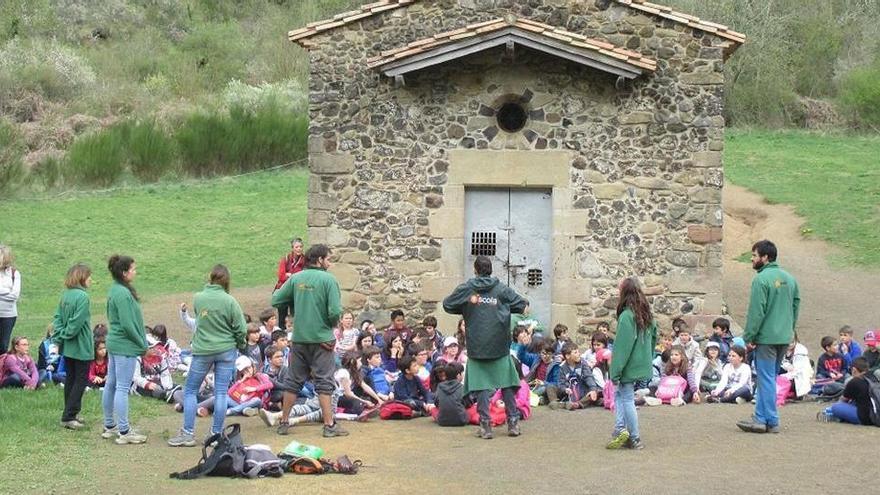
830 297
695 449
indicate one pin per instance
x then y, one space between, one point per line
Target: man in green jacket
770 323
486 304
313 298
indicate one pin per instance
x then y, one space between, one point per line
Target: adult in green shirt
630 361
126 340
73 334
220 333
486 305
313 298
770 322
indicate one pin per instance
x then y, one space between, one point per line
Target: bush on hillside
11 152
97 159
860 95
150 151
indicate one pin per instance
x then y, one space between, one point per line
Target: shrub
860 95
11 152
202 141
150 151
97 159
47 172
46 68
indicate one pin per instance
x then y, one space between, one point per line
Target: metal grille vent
483 244
535 277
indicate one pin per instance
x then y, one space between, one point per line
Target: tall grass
97 159
151 152
11 150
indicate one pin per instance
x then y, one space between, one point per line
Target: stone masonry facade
642 167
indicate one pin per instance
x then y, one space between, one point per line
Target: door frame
514 169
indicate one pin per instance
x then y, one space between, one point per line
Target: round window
512 117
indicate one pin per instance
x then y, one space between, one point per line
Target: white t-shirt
10 290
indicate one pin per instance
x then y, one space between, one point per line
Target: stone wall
645 176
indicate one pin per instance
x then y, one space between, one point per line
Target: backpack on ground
260 461
395 410
874 395
226 457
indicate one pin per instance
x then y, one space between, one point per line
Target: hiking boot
554 405
677 402
485 430
109 433
72 424
653 401
132 437
183 439
741 400
249 412
368 413
269 417
751 426
634 444
618 441
513 428
334 431
284 427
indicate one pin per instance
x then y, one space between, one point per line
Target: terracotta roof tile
301 35
559 35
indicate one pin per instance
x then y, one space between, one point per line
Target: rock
703 234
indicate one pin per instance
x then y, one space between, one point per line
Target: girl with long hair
126 341
630 361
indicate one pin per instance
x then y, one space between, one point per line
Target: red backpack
395 410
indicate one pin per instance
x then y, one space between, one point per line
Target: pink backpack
783 389
608 395
671 386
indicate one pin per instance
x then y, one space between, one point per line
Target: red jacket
97 369
289 264
260 382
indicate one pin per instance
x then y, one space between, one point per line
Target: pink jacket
24 368
260 381
522 399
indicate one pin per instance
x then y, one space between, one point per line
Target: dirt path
694 449
830 296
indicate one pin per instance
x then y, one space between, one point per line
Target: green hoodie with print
125 333
220 325
315 302
72 325
773 307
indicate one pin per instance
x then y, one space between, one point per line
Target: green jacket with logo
486 304
125 333
220 325
773 307
72 325
315 302
633 350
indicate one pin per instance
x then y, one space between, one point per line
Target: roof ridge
300 35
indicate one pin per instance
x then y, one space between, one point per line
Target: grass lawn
176 233
832 180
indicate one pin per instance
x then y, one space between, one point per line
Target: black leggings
75 384
6 326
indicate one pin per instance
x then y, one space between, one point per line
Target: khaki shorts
310 362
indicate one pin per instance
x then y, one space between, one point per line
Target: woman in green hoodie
630 361
126 340
73 334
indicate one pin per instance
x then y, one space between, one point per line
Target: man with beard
770 322
486 305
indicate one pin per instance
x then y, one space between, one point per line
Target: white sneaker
249 412
132 437
653 401
678 401
268 417
740 400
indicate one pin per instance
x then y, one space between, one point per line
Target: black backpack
874 395
229 457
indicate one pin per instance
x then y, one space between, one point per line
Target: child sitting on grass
684 338
855 405
736 379
576 378
18 368
721 335
252 348
831 366
98 367
545 374
375 374
410 390
872 354
50 362
679 377
152 375
356 394
711 374
560 333
268 325
247 394
275 370
846 346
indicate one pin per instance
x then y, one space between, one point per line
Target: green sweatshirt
773 307
633 350
220 325
73 328
314 299
125 335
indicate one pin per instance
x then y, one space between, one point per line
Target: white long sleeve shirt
734 378
10 291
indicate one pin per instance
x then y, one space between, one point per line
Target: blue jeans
768 359
846 412
224 368
625 417
120 372
236 408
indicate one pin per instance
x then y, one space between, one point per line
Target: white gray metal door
514 228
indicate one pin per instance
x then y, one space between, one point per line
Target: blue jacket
411 389
553 375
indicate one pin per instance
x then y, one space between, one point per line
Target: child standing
577 379
736 379
18 368
410 390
